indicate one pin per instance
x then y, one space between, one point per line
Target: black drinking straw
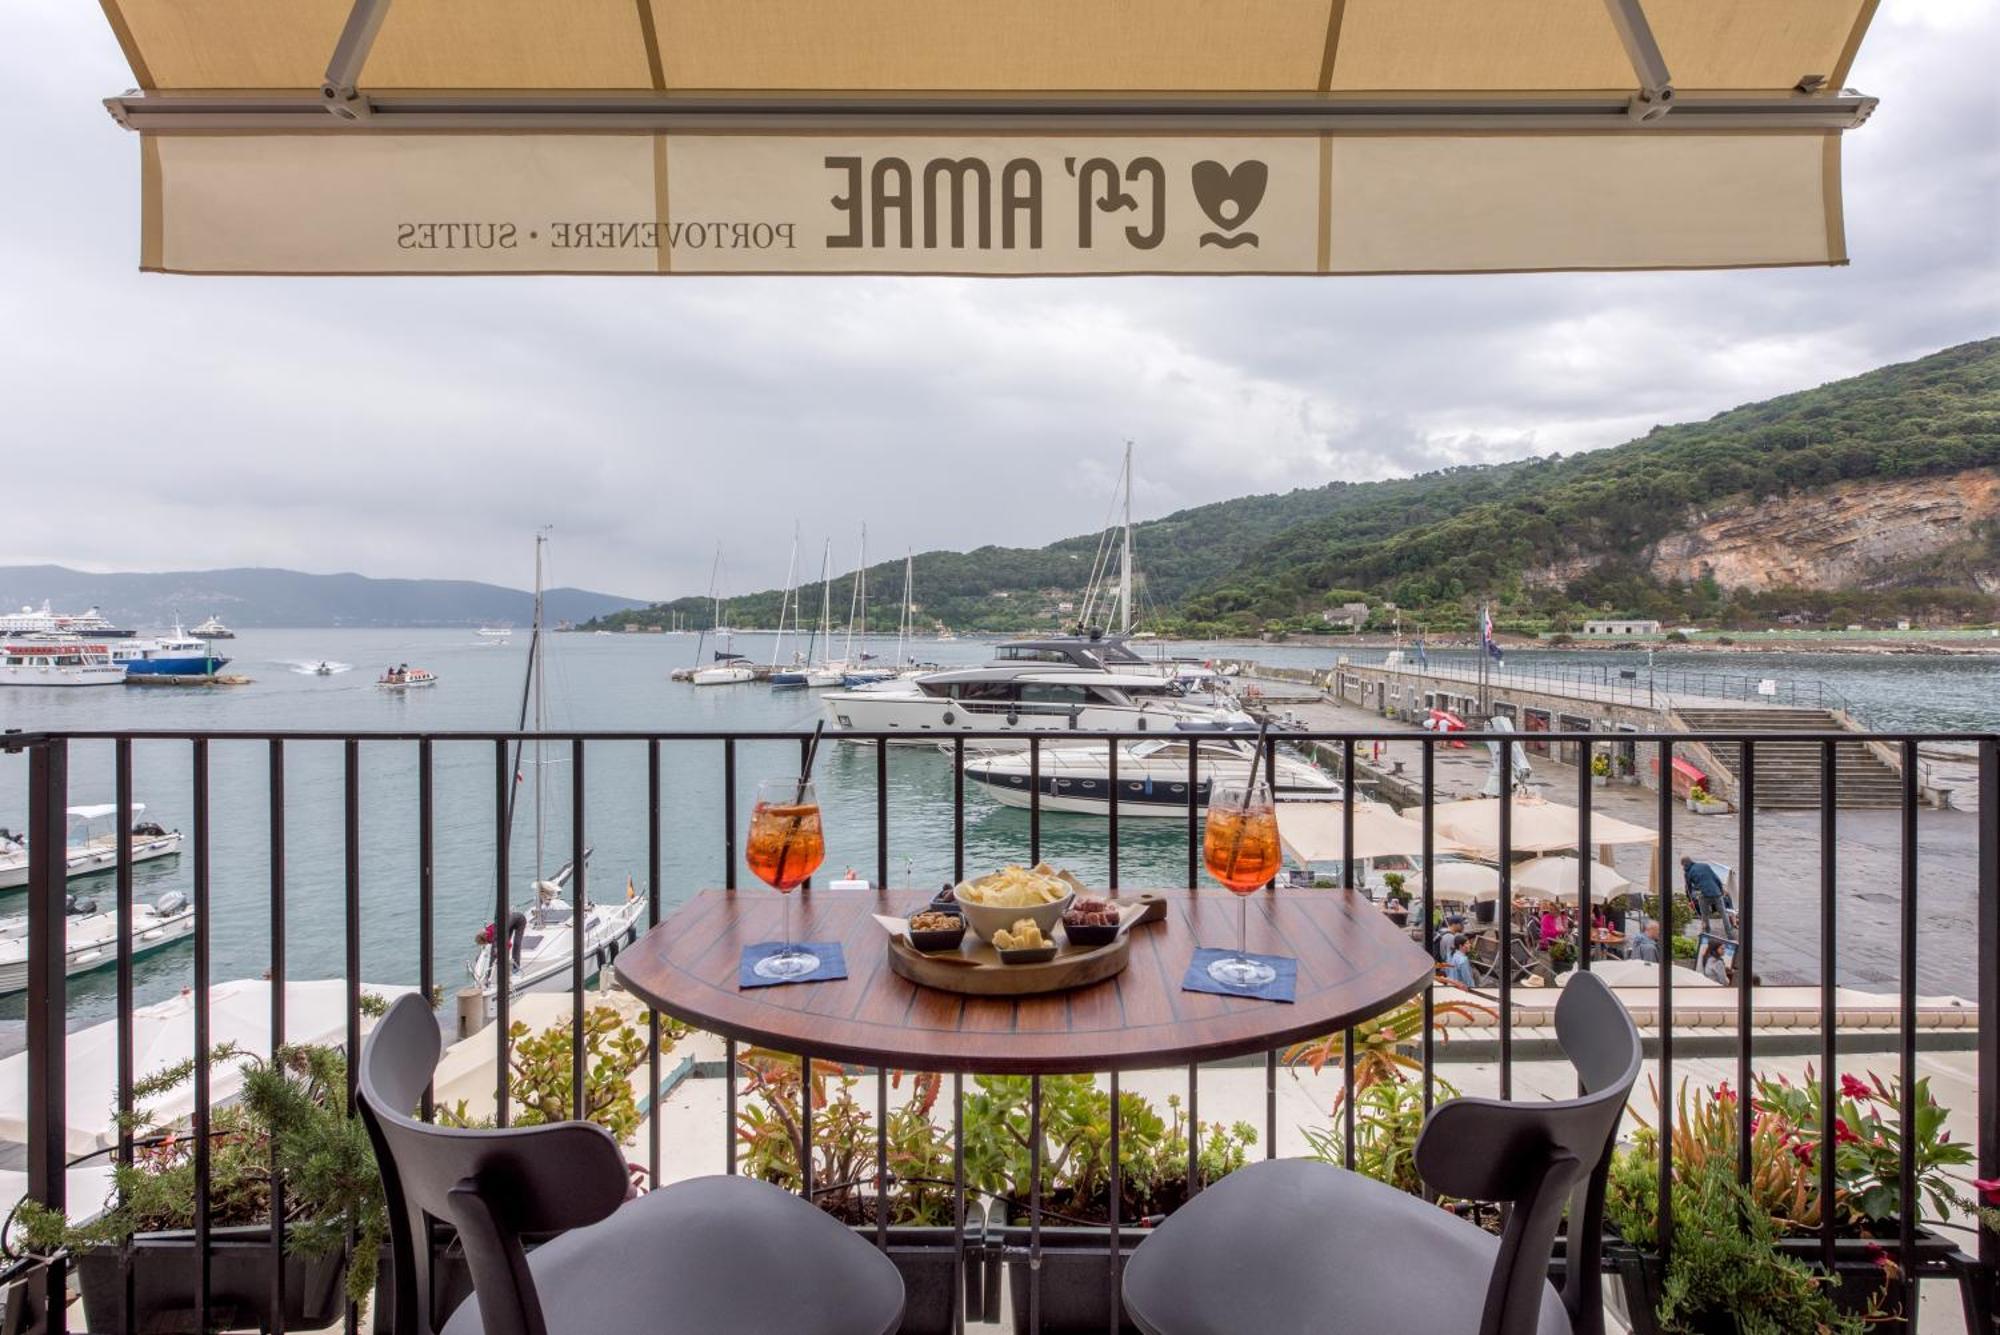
1256 763
812 750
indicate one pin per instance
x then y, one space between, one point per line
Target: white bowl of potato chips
999 900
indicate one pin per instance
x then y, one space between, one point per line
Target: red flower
1725 1093
1844 1134
1803 1151
1988 1189
1855 1089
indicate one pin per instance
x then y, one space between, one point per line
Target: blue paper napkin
832 964
1282 988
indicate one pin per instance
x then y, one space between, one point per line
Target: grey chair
704 1256
1297 1247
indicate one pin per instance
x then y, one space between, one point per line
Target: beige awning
1317 832
998 137
1537 826
1556 876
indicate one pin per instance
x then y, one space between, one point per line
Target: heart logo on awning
1229 195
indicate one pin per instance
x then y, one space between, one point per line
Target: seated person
1458 966
1646 946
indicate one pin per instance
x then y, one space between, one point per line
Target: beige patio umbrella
1465 882
987 137
1554 876
1539 826
1317 832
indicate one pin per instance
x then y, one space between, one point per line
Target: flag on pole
1486 640
1423 660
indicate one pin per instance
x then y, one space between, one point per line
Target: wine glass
786 846
1240 846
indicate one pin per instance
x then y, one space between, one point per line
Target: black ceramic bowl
942 938
1091 937
1036 955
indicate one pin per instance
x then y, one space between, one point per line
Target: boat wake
318 667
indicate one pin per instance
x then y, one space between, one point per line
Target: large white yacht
1062 684
1152 774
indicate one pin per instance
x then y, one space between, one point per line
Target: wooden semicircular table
1353 965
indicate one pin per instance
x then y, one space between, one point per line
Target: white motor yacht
1057 685
91 936
1152 775
92 844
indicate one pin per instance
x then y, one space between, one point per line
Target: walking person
1705 892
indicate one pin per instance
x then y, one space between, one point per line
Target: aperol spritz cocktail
785 847
1240 847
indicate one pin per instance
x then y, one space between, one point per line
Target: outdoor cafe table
1353 964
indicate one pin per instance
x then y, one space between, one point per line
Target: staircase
1788 772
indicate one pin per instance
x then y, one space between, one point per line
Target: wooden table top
1353 964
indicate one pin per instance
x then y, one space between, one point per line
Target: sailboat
541 944
858 673
728 668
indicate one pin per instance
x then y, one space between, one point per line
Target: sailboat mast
825 636
862 589
1125 554
785 600
541 702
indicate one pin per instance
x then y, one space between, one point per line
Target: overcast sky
426 426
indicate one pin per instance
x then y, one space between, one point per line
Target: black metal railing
41 1279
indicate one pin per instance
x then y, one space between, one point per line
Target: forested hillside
1548 539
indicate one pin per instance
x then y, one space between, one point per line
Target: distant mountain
1868 498
254 597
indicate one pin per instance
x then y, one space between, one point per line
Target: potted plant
1704 803
1562 955
1627 768
1760 1271
1600 770
1397 893
918 1193
1076 1268
292 1115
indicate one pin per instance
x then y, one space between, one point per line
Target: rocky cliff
1850 535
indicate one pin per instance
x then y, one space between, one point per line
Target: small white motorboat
92 844
403 677
542 941
322 669
723 674
92 936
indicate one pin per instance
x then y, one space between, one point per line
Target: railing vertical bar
1193 822
958 809
729 813
1271 1104
1503 910
427 888
1429 744
48 988
1986 965
1034 798
122 763
277 844
1663 878
1907 1023
881 813
501 970
1034 1204
351 839
958 1196
1829 1081
652 921
882 1158
806 1127
1117 1211
1746 923
1194 1130
729 1106
579 897
1111 811
1585 917
1347 861
200 1120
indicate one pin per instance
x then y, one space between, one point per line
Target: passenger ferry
58 662
175 655
403 677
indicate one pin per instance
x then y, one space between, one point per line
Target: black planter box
1077 1278
1632 1290
166 1276
925 1257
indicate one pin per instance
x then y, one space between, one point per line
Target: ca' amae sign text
993 205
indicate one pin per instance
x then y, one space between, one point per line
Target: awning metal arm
1656 91
343 73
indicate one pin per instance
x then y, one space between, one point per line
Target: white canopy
1317 832
239 1012
1466 882
1539 826
1642 973
1554 876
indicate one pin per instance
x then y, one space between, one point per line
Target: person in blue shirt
1458 968
1704 889
1646 945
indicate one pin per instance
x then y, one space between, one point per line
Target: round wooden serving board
975 968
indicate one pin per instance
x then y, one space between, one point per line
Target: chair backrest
492 1186
1541 1157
